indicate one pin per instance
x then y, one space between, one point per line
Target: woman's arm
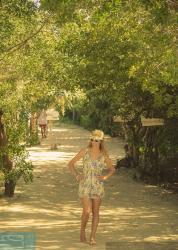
74 160
110 166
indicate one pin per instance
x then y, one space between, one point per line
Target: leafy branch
22 43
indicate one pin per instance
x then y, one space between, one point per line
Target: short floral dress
90 185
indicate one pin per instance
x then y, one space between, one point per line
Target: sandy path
131 211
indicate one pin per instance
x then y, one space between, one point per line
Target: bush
85 121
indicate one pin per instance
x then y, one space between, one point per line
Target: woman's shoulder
84 150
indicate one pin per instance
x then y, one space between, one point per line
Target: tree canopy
98 59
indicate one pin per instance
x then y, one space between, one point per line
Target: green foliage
33 139
21 169
100 58
85 121
123 55
27 47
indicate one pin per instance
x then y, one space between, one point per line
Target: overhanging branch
22 43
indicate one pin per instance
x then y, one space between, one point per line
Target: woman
91 186
42 122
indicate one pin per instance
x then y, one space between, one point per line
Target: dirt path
132 214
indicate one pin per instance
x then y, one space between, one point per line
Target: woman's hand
102 177
79 177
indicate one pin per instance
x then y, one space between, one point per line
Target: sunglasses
95 140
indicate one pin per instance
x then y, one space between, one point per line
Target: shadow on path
132 214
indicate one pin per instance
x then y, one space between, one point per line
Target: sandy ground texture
133 215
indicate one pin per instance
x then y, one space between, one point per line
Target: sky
37 3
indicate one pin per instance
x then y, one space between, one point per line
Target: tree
123 55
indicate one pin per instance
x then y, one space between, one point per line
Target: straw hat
97 135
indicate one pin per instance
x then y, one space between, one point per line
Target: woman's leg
44 127
86 203
96 202
41 126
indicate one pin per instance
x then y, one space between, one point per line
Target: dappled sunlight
151 186
59 130
50 206
74 138
50 156
67 146
38 223
162 237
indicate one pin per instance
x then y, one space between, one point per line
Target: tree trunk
7 163
33 127
9 188
132 135
151 155
73 114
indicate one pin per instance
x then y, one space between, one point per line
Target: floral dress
90 185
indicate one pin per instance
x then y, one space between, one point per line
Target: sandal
92 242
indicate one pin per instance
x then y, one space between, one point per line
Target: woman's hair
102 146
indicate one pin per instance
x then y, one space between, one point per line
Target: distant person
91 181
52 115
42 122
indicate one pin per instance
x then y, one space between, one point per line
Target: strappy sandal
92 242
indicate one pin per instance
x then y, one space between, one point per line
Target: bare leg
96 202
86 203
42 134
44 131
